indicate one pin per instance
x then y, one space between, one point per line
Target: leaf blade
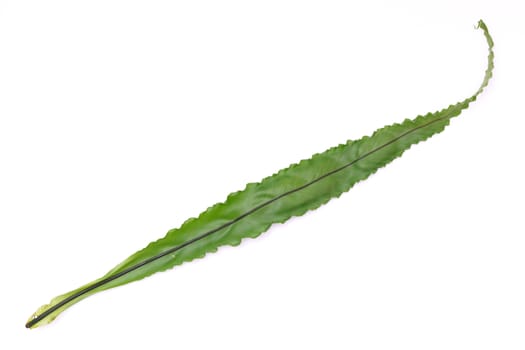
290 192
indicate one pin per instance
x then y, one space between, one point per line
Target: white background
121 119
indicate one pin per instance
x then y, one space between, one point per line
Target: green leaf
290 192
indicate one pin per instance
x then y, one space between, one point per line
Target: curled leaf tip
481 24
